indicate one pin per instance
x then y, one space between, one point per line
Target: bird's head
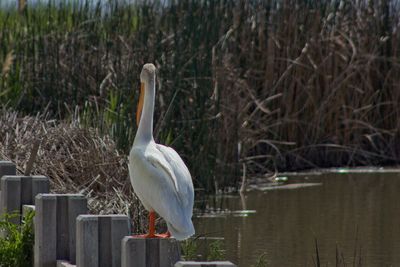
146 76
148 73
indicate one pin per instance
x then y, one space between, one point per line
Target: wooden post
143 252
98 239
55 227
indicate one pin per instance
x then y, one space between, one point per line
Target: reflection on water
358 211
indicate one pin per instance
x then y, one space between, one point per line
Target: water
358 213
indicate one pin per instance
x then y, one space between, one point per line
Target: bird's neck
144 133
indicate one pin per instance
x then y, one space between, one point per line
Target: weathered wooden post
144 252
98 240
204 264
55 227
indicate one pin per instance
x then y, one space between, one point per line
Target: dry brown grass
76 160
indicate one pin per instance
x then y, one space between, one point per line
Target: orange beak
140 104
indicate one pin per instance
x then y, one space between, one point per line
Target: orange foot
165 235
144 236
152 234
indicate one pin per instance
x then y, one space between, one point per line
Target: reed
269 85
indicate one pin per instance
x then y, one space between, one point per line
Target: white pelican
158 175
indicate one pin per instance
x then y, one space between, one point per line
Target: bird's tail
183 232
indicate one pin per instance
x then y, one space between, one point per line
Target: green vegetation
194 249
16 249
265 85
215 251
189 249
355 261
261 262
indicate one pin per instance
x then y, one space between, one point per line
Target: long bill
140 104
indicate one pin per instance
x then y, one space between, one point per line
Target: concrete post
98 239
45 250
120 227
77 204
133 252
7 168
87 241
40 185
62 263
27 209
204 264
20 190
143 252
10 201
55 226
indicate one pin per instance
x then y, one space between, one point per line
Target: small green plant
193 249
16 242
189 249
215 251
262 262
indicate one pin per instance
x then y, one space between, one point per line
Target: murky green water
359 214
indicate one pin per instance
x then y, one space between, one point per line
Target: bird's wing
181 172
161 164
153 180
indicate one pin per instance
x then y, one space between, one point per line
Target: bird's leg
152 229
152 234
152 224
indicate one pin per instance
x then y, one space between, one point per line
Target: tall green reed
259 85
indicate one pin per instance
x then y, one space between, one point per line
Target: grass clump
261 261
216 251
202 249
16 249
189 249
